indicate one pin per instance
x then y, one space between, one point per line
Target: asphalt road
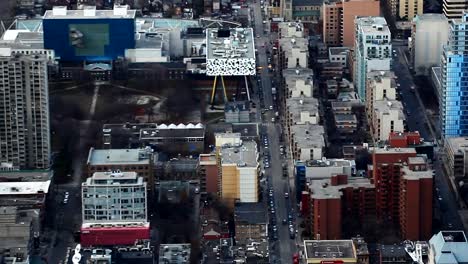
285 246
417 120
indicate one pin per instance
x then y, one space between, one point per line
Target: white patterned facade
230 52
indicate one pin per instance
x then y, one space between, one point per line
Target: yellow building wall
229 182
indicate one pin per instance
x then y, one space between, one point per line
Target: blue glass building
89 35
453 94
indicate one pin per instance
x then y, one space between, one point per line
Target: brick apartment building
329 201
403 183
399 192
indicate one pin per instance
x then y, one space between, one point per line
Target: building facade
453 115
453 9
24 111
114 206
409 9
338 19
137 160
428 36
373 50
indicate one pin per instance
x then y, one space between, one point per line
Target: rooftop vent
120 10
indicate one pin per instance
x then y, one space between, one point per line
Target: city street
284 244
417 120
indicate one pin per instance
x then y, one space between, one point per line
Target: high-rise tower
24 110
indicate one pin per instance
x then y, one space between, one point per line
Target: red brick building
335 199
385 171
403 183
416 200
208 172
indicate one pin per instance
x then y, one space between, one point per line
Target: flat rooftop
308 136
26 175
372 25
235 43
23 188
118 156
387 150
125 175
244 155
207 159
431 17
385 106
22 39
349 118
338 50
298 73
457 143
89 12
174 253
252 213
289 43
330 163
303 104
454 236
322 189
173 131
409 174
329 249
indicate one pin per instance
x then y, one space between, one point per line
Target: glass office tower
453 99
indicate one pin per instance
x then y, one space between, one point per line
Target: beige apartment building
338 19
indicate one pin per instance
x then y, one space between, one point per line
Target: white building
373 50
385 113
291 30
307 142
230 52
302 110
387 117
24 110
114 197
298 82
294 52
429 35
380 85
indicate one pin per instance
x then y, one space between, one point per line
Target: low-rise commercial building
114 208
237 112
251 222
174 253
330 251
16 235
137 160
